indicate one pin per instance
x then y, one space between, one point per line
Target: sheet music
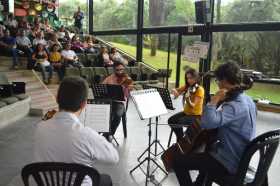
148 103
97 117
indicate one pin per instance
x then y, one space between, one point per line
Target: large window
257 53
114 14
126 43
168 12
237 11
66 10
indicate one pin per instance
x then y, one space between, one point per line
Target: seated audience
8 47
64 138
77 45
61 33
35 31
45 26
233 115
24 44
55 59
88 45
104 58
193 96
39 39
69 57
116 56
41 58
10 21
53 40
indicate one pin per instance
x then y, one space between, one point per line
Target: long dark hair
193 73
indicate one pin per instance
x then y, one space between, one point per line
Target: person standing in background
78 23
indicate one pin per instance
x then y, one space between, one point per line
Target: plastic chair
266 144
86 73
59 174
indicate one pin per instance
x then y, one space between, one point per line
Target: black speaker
200 11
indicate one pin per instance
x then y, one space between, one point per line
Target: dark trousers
60 69
28 52
202 162
180 119
118 110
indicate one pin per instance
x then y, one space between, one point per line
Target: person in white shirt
63 138
24 44
39 39
69 57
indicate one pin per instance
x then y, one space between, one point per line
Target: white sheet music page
97 117
148 103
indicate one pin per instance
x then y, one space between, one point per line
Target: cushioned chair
59 174
101 72
266 145
86 73
72 71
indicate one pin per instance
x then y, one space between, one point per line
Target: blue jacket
236 123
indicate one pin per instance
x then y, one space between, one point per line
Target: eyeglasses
119 69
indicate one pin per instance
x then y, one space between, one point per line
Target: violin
50 114
125 80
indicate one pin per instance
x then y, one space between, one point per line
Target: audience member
88 45
10 21
53 40
116 56
55 59
69 57
41 58
24 44
8 47
77 45
104 58
39 39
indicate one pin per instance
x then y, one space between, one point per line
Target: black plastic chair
266 144
59 174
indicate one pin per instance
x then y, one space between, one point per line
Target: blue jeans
15 56
44 69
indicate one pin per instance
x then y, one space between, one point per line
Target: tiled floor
16 149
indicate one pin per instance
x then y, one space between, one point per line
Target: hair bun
247 82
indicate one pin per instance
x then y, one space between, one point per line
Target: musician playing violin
119 77
233 115
193 95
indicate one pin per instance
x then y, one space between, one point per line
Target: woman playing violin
193 96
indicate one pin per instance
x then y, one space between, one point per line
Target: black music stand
155 111
165 96
108 91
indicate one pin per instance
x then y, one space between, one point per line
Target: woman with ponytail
233 114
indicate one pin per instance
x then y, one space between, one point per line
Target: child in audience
77 45
55 59
41 58
104 57
88 45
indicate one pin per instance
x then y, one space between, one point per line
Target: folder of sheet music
148 103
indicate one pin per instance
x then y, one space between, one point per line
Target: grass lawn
259 90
